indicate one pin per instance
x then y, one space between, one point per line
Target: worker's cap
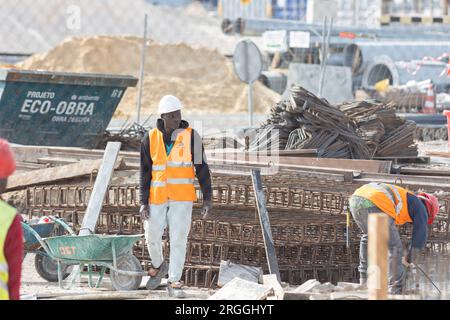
168 104
432 204
7 162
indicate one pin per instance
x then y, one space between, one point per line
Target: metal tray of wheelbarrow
90 247
43 229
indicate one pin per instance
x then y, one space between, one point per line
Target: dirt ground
34 287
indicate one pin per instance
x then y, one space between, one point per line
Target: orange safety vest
172 175
389 198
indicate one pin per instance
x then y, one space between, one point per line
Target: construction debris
239 289
307 286
229 270
271 281
61 173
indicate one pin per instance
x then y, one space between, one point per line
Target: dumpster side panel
56 114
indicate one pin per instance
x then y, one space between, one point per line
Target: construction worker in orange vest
172 154
11 234
401 206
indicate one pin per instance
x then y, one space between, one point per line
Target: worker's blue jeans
360 211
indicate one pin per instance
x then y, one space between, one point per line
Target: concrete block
349 286
337 85
324 288
240 289
349 295
307 286
270 281
229 270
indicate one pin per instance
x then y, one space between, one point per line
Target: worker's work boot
175 290
156 275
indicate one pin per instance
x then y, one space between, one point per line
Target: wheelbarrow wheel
47 268
122 282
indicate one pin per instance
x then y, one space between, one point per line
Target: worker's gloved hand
411 258
207 205
145 212
405 262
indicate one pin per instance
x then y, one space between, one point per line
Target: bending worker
401 206
172 154
11 234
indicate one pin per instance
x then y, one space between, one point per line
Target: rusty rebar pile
357 130
385 133
305 121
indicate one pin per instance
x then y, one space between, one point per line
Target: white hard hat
168 104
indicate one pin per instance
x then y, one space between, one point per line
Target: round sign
247 61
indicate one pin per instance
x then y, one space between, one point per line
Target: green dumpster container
57 108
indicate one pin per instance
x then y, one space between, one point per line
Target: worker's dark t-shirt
419 216
14 255
198 155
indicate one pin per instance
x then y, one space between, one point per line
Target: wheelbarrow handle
37 236
64 225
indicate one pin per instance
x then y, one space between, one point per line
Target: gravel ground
33 286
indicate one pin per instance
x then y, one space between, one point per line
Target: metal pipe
398 72
255 27
359 55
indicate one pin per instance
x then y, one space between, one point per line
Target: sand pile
202 78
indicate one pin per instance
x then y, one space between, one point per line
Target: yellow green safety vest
7 215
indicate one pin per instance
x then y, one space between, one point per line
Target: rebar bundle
358 130
384 132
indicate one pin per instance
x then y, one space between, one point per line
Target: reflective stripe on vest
390 192
158 184
159 168
4 288
7 215
180 181
174 164
4 267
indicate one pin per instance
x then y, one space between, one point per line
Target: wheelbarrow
113 252
45 266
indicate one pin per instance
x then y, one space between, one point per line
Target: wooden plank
100 187
373 166
268 166
439 154
265 224
28 153
271 281
425 171
97 197
51 175
31 153
403 160
57 161
254 154
377 248
239 289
